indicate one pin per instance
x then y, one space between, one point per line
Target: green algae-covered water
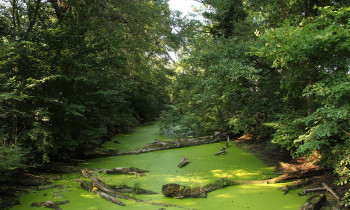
203 168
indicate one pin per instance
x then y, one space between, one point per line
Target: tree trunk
310 98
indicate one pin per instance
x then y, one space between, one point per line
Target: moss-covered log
122 170
294 185
158 145
50 204
98 186
180 191
314 202
109 198
127 189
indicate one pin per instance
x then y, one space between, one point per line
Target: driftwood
45 187
122 170
109 193
294 185
50 204
183 162
158 145
180 191
110 198
331 191
223 150
314 202
227 142
127 189
306 191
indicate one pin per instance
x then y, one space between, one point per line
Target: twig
345 132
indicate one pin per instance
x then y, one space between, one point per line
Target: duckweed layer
203 168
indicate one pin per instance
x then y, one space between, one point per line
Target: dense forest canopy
278 70
75 72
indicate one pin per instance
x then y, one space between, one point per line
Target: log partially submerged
109 193
295 185
180 191
223 150
158 145
50 204
183 162
127 189
314 202
122 170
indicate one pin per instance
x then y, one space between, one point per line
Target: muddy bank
280 159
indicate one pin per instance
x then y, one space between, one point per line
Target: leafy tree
75 72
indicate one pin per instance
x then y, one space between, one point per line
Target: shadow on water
203 168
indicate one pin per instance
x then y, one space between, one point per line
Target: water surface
204 167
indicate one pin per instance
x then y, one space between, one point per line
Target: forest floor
280 159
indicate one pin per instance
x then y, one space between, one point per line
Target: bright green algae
137 139
203 168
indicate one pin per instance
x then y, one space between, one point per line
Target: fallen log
50 204
331 191
99 186
218 184
89 186
122 170
314 202
181 191
158 145
221 152
294 185
109 198
183 162
306 191
45 187
127 189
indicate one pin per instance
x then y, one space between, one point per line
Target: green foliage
289 82
11 159
74 73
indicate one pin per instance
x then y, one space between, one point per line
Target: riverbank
281 160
